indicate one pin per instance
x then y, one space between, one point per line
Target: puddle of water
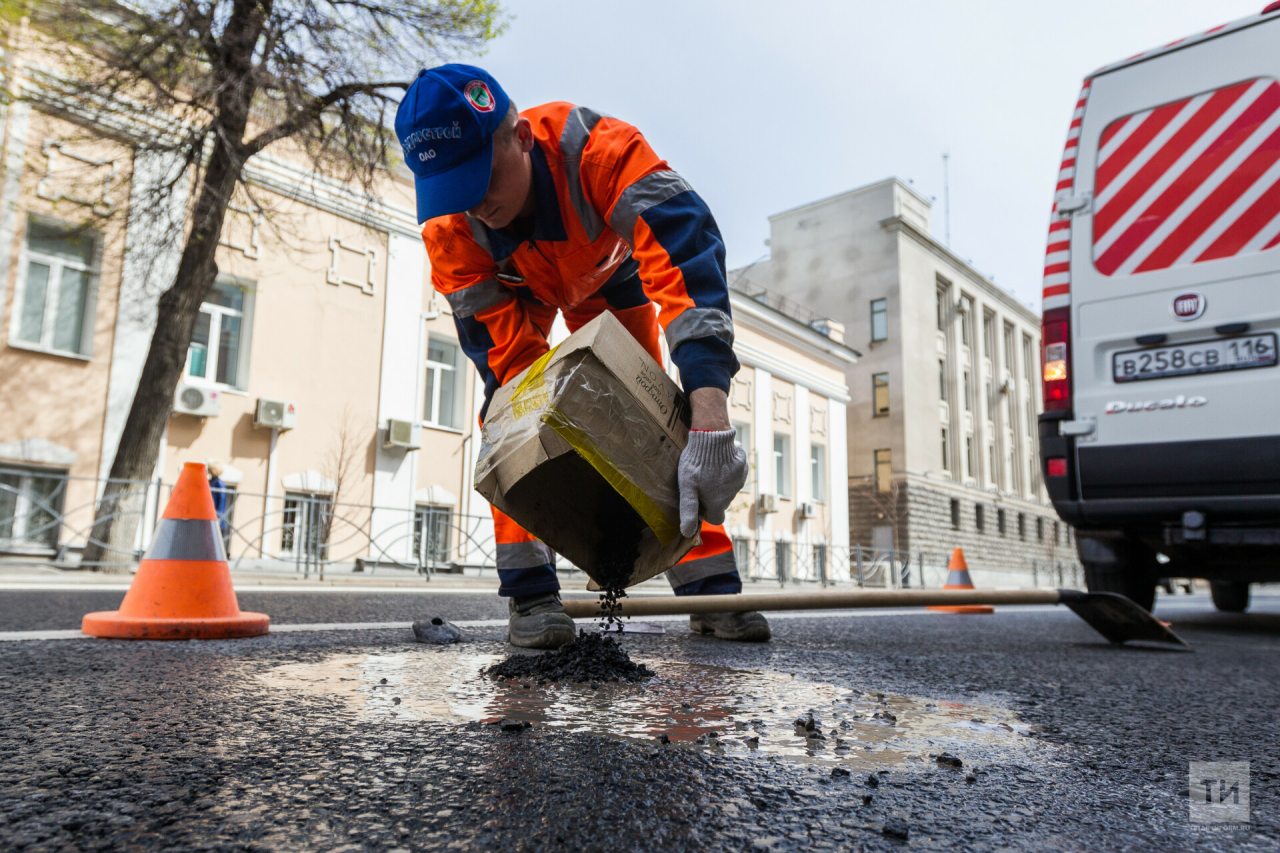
725 710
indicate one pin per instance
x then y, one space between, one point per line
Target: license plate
1213 356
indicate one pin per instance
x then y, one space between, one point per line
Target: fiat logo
1188 306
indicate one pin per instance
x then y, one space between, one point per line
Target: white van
1161 425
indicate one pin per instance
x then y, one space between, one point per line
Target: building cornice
762 318
894 224
129 122
757 358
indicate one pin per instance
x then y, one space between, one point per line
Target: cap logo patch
479 96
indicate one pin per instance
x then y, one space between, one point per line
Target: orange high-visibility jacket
614 228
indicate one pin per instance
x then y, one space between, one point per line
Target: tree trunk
115 529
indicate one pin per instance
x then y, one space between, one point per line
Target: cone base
111 625
962 608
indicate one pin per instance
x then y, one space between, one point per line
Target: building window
1039 528
955 514
817 471
53 299
879 395
991 463
970 463
782 559
820 562
884 470
946 457
942 379
305 524
1000 521
979 518
991 403
1022 526
742 554
1057 534
966 320
968 392
742 437
30 508
943 301
1010 357
1028 358
782 464
879 319
988 334
432 526
442 400
216 349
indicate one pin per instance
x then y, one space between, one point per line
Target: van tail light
1055 332
1056 466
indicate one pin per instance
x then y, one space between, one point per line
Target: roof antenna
946 200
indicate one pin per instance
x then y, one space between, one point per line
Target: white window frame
214 352
818 472
742 438
438 367
782 465
25 507
53 292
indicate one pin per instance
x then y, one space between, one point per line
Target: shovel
1110 614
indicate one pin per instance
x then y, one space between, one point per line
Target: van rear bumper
1235 479
1125 511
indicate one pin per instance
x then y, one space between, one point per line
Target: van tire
1230 596
1121 565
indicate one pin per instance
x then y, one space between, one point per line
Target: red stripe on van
1208 211
1265 209
1056 290
1185 137
1132 147
1122 249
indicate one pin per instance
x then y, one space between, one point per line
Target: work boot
746 626
539 622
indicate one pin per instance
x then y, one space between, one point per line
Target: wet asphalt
109 745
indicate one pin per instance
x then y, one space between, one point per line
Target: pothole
728 711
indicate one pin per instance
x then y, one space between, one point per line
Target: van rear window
1188 182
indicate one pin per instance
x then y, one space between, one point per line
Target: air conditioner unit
403 434
808 509
275 414
196 400
768 502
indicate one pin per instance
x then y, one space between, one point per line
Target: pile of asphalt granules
589 658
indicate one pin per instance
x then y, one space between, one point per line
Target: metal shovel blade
1119 619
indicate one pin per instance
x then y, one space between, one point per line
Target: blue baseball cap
446 124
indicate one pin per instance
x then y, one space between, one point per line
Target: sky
763 106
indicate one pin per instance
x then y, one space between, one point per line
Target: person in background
219 490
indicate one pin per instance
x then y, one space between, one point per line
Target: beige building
324 375
944 400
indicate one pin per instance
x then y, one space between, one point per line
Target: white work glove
712 471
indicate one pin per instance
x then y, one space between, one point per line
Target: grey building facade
944 398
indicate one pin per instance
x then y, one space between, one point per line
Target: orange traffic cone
182 590
958 578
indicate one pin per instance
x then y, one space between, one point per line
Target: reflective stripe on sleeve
471 300
654 188
694 323
524 555
480 235
187 539
573 141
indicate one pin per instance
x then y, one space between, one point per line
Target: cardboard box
582 449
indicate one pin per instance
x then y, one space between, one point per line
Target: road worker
563 209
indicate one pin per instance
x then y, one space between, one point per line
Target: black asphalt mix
111 745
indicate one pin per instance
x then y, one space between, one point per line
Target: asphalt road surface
355 740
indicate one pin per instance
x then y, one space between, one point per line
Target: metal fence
49 518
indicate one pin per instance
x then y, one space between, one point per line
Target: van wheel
1230 596
1121 565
